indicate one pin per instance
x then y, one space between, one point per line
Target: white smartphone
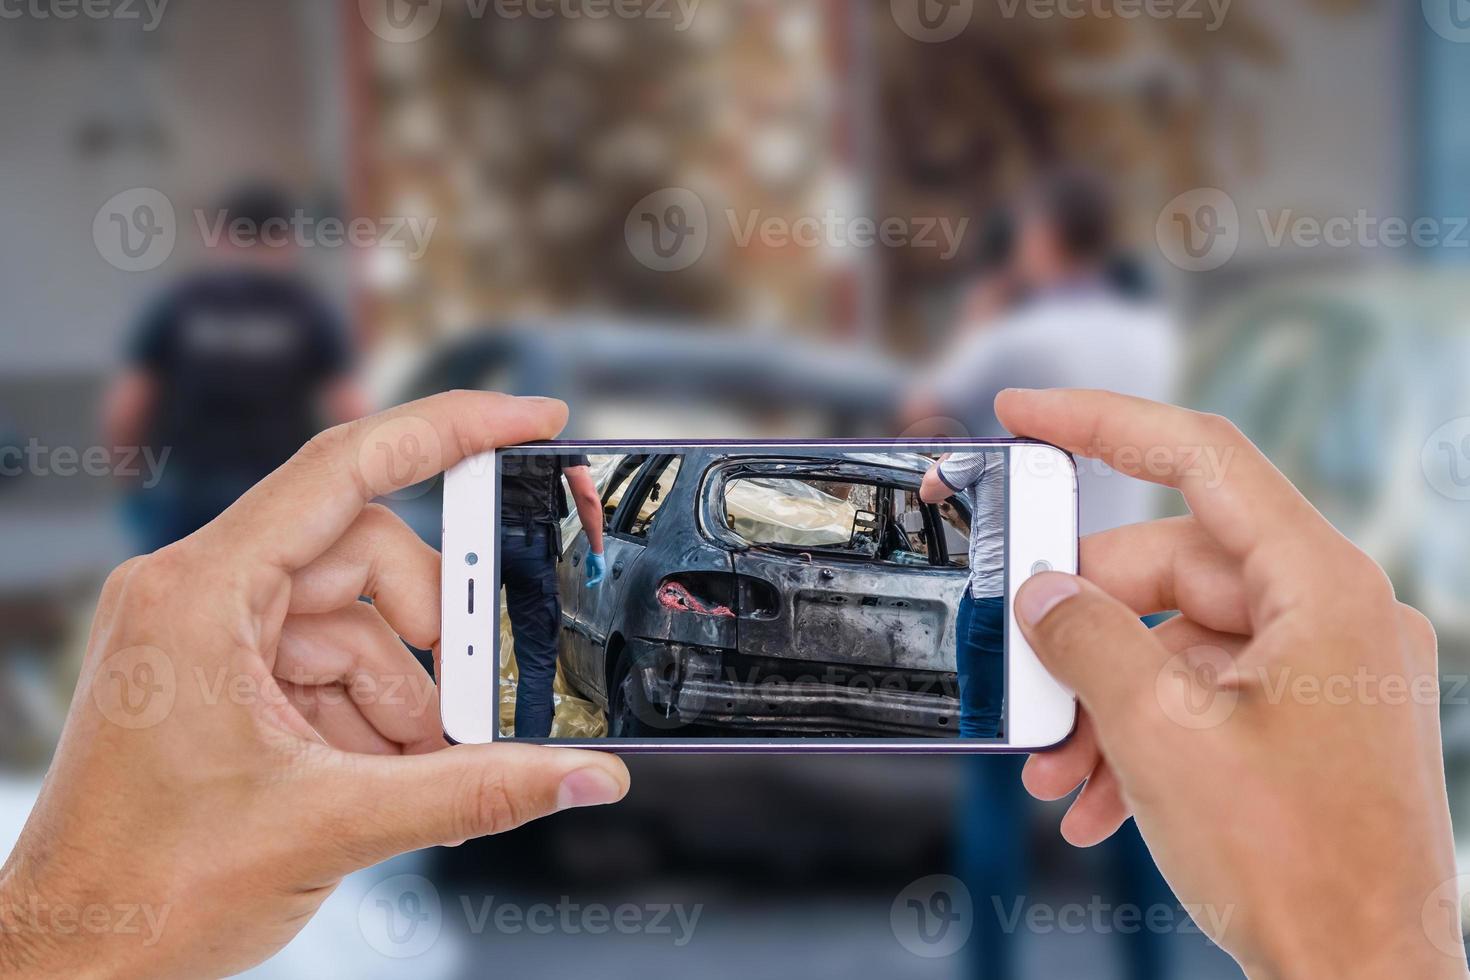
744 596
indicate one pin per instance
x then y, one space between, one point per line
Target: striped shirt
981 479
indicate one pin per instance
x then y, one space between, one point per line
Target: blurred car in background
623 379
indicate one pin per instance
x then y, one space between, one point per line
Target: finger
380 557
338 722
351 655
1098 812
1053 774
1166 565
295 513
1242 500
1181 633
385 806
1101 808
1092 643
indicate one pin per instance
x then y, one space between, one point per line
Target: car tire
625 701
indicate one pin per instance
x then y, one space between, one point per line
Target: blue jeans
533 603
980 657
180 505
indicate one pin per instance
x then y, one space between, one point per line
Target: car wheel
626 705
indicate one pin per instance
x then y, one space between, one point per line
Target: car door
814 586
581 657
602 607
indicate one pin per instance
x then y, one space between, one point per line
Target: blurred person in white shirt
1061 313
1057 308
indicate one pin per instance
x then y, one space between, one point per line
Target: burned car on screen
768 593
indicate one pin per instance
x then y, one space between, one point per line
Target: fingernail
587 787
1042 594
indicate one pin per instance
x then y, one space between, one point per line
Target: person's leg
988 670
1138 884
964 667
993 853
528 573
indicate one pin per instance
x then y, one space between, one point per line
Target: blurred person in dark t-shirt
232 370
532 505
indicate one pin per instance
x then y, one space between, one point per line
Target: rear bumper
687 685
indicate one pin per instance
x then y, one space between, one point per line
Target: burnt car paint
713 631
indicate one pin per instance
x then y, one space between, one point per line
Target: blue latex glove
596 569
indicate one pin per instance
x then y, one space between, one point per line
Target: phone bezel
1042 505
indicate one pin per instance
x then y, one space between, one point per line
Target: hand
1278 742
596 569
245 732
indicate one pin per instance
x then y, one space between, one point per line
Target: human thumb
1089 641
391 804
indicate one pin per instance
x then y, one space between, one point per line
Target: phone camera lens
471 558
1040 566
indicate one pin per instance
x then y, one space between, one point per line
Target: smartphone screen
730 593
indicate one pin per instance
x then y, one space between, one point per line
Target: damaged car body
768 593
